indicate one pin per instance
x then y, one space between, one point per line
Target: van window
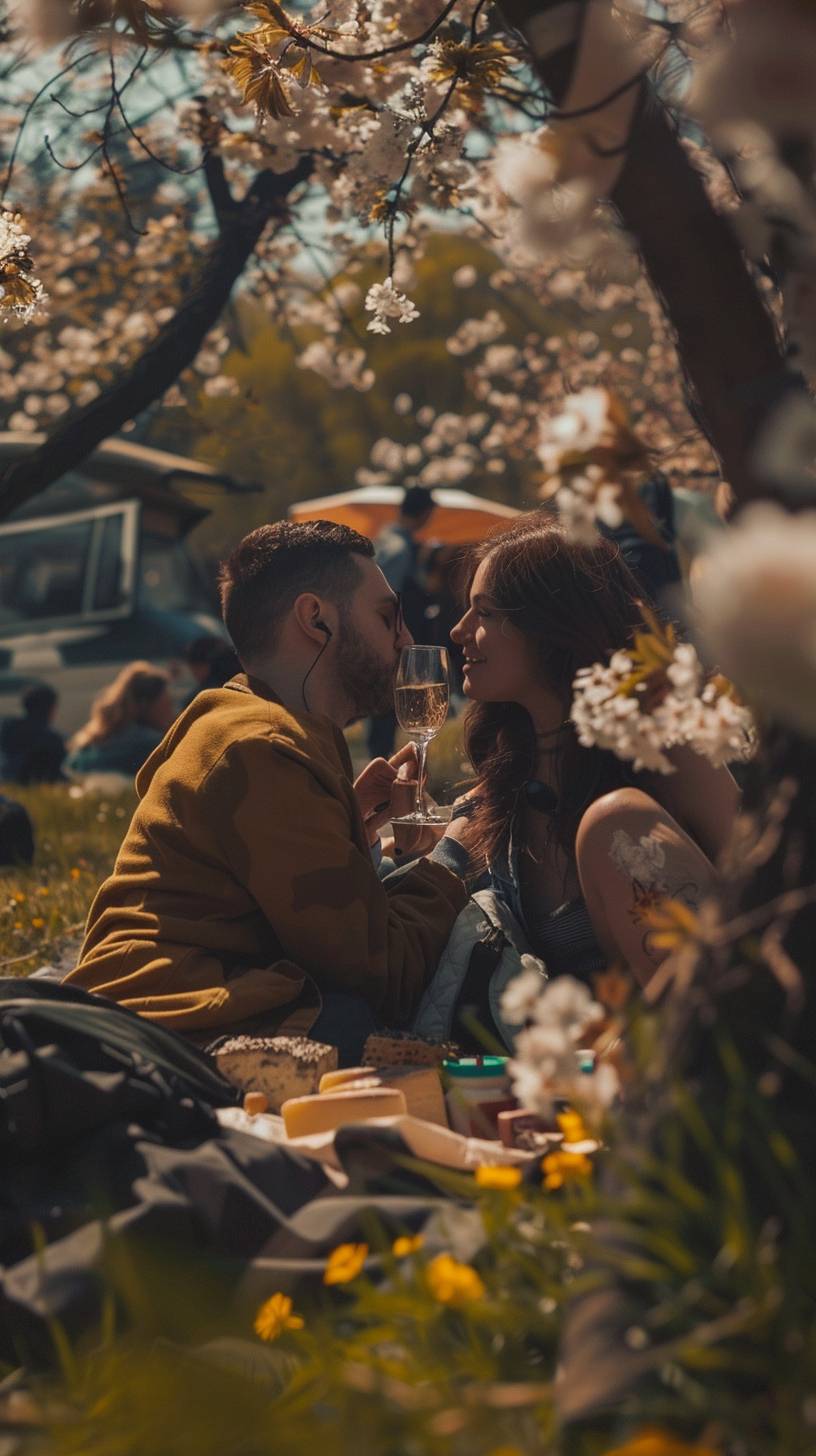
108 592
170 581
42 572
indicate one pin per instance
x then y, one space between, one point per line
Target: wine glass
421 695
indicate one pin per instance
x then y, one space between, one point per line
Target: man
397 554
31 751
245 886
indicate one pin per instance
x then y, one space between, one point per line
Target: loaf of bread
420 1086
303 1116
401 1049
279 1066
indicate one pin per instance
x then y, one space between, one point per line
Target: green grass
77 838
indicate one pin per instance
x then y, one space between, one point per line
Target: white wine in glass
421 696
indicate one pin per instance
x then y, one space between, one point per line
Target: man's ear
310 613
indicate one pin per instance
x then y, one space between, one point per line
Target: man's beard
364 678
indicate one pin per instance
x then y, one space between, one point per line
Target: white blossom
385 302
521 994
756 598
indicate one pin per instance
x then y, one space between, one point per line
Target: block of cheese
305 1115
420 1086
401 1049
280 1066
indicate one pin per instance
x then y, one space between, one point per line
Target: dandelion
19 897
498 1176
406 1245
274 1316
344 1263
452 1283
37 923
565 1167
75 873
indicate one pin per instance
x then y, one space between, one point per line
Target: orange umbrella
459 517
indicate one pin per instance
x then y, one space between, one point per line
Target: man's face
371 637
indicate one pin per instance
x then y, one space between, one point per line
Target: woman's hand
410 842
374 788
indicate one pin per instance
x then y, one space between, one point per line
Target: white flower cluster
342 368
757 604
385 302
587 499
639 718
546 1064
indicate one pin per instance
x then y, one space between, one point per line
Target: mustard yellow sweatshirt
245 878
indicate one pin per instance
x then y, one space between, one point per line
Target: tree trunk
728 345
172 350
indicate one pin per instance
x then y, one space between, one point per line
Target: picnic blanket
115 1161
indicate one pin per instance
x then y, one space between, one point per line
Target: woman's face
499 666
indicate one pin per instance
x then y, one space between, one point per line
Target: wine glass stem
422 749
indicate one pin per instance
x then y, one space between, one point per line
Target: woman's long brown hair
575 605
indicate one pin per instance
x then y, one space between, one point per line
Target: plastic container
477 1090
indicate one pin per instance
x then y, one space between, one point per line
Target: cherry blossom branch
172 350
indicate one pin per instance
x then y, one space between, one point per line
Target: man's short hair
260 581
416 502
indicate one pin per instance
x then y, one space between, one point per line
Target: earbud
321 625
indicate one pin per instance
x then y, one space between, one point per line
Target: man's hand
375 784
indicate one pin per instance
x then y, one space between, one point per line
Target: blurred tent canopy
459 517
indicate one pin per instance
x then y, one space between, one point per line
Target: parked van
95 572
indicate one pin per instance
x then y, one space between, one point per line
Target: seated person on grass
245 896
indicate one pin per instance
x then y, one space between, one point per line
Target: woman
128 720
576 843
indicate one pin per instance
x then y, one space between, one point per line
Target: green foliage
77 837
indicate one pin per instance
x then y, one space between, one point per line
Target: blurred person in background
128 720
212 661
397 553
31 751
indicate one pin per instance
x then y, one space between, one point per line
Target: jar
477 1090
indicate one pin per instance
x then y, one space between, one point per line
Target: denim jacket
563 937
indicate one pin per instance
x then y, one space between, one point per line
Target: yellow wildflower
37 922
672 924
572 1126
497 1175
654 1442
43 890
453 1283
75 873
344 1263
407 1244
275 1316
18 925
564 1167
19 897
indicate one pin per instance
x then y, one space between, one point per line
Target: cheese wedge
305 1115
420 1086
279 1066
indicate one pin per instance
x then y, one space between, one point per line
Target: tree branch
728 345
172 350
